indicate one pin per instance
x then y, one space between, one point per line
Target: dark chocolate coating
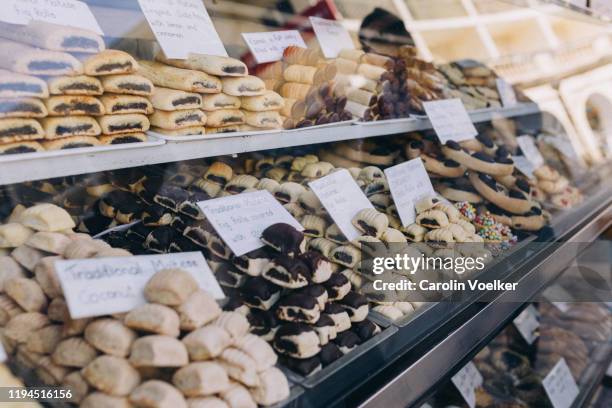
329 353
283 236
258 288
353 300
364 329
347 339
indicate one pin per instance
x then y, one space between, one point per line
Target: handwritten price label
70 13
408 182
450 120
560 385
332 36
269 47
466 381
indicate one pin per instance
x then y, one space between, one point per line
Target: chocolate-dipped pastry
329 353
298 307
284 239
108 204
339 316
138 232
260 293
347 341
190 208
159 239
337 286
218 247
263 323
356 306
320 267
128 211
229 276
171 197
304 367
318 292
254 262
94 223
365 329
287 272
178 223
197 234
296 340
147 189
156 216
325 328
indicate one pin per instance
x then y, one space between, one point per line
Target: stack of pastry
71 60
473 82
224 83
304 79
117 361
425 82
556 188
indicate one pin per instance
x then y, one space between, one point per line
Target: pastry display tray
327 125
210 136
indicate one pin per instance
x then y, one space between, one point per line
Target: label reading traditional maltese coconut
467 380
506 93
182 27
333 37
408 182
269 46
450 120
342 198
560 385
240 219
72 13
530 150
527 324
103 286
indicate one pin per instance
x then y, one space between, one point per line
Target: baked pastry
220 101
240 366
14 85
46 217
346 255
268 101
263 120
247 85
356 306
52 242
298 307
188 131
388 311
20 148
224 118
258 349
337 286
365 329
237 396
234 323
432 219
24 59
47 278
206 342
514 201
211 64
21 326
110 336
26 293
479 161
153 318
73 352
170 287
260 293
71 143
182 79
74 85
13 235
287 272
73 105
296 340
109 62
18 129
48 372
283 238
22 108
59 127
122 104
201 379
171 99
77 384
121 124
158 351
197 310
178 119
272 387
111 375
155 393
53 37
371 222
127 84
123 138
339 315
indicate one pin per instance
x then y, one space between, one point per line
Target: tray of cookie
58 95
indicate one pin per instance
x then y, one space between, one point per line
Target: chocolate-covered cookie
320 267
298 307
283 238
287 272
260 293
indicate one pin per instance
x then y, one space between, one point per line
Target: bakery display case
181 225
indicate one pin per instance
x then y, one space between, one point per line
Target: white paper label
560 386
342 198
332 36
408 182
450 120
466 381
523 165
562 306
527 324
182 27
240 219
269 46
530 151
506 93
3 356
71 13
103 286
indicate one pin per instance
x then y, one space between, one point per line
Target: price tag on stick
466 381
269 46
240 219
342 198
527 324
450 120
530 150
72 13
408 182
560 385
103 286
182 27
332 36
